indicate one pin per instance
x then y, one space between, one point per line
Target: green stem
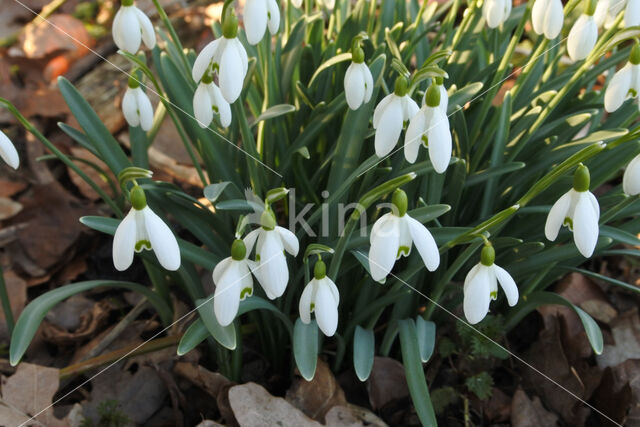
174 36
6 304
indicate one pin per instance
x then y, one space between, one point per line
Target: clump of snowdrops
326 220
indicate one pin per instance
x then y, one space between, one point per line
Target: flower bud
402 86
432 97
581 178
126 2
230 25
238 250
590 7
268 220
399 200
138 199
634 58
488 255
357 54
320 270
133 82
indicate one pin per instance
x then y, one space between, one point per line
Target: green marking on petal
633 92
403 250
246 292
425 140
312 307
494 294
568 222
143 244
257 257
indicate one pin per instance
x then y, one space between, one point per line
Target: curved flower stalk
430 127
8 151
625 82
584 34
606 12
390 115
208 99
131 27
481 286
496 12
578 209
270 267
547 17
358 81
631 177
136 107
321 297
142 229
258 15
392 236
233 283
227 57
632 13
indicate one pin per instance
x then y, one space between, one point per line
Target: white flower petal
250 239
203 60
202 107
242 53
289 240
8 151
554 19
255 20
425 244
582 37
304 306
145 109
273 265
594 204
124 242
585 226
384 248
409 107
375 229
631 178
326 310
444 100
368 82
230 77
389 128
507 284
538 13
130 108
146 28
274 16
224 109
413 135
220 268
404 237
226 298
354 86
602 10
163 242
130 34
470 275
382 105
556 216
334 289
116 29
439 137
618 88
632 14
477 296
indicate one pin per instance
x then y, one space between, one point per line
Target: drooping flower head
321 297
130 27
481 286
631 177
547 17
358 81
142 229
390 115
577 209
258 15
496 12
225 57
606 12
233 283
584 33
270 267
8 151
430 127
393 235
625 82
208 100
136 106
632 14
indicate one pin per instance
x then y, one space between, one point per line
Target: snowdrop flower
430 127
8 151
578 209
320 296
227 57
631 177
390 115
392 236
258 14
208 99
625 82
358 81
547 17
481 286
136 106
632 13
130 27
270 267
584 34
233 283
296 3
496 12
143 229
606 12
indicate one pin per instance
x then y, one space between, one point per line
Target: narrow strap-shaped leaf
34 313
363 352
224 335
415 373
426 332
193 336
305 348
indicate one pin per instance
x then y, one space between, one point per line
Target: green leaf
213 191
619 236
34 313
330 63
273 112
604 278
460 97
225 335
257 303
305 348
363 352
415 373
426 332
316 248
193 336
536 299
